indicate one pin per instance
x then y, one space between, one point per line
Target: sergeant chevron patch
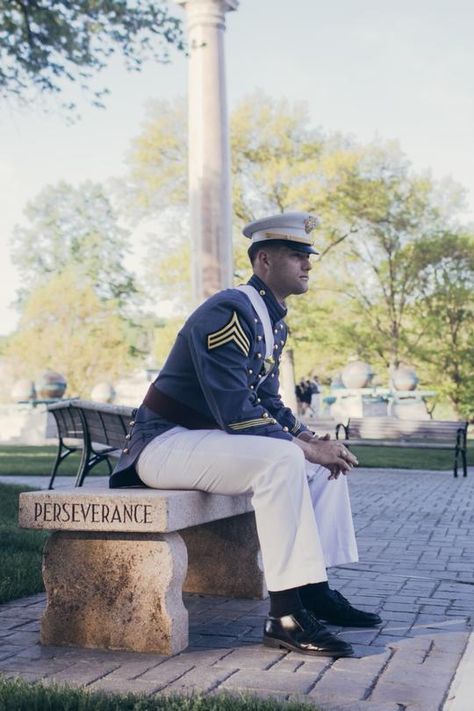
233 331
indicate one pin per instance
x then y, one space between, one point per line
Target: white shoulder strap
262 312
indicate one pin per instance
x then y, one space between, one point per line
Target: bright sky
371 68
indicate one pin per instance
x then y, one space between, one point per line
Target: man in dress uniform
213 420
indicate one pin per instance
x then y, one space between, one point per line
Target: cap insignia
310 224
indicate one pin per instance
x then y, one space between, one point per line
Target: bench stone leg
224 558
115 591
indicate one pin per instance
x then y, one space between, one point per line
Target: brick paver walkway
416 541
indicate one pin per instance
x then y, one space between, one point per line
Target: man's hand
331 454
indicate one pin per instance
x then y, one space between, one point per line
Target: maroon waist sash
176 412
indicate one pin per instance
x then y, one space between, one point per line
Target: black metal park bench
415 434
94 428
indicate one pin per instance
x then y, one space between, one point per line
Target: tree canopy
74 226
45 43
66 327
382 226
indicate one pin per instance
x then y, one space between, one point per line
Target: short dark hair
257 247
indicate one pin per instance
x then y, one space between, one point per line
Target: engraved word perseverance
50 512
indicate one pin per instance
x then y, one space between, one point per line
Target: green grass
16 460
25 461
17 695
20 552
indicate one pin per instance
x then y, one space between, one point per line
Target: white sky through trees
401 71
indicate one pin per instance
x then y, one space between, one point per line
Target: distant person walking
314 387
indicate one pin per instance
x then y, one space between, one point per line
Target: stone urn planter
357 375
51 385
404 378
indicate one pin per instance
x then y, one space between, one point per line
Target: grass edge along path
21 550
21 460
19 695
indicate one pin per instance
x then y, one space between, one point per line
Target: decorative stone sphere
404 378
23 389
357 375
103 392
51 385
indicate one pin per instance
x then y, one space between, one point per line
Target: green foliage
74 227
66 327
443 316
158 174
168 262
366 298
165 336
20 555
278 163
45 44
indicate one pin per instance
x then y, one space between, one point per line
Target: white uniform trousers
304 521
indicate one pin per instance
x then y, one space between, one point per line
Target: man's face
289 271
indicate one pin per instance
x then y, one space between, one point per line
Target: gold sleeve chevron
233 331
256 422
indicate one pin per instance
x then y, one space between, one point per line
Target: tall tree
374 210
66 327
74 226
279 163
392 210
46 43
443 316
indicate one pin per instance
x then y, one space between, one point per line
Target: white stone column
209 149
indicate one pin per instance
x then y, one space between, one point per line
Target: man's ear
264 257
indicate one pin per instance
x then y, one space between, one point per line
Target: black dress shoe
333 607
301 632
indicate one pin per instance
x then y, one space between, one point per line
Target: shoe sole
280 644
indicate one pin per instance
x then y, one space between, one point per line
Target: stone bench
118 560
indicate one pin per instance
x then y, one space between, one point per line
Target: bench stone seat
139 510
118 560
